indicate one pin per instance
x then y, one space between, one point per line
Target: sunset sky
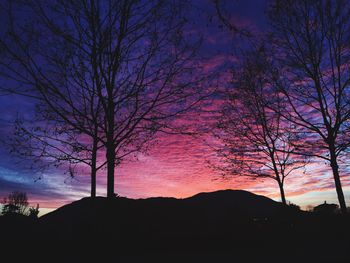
177 165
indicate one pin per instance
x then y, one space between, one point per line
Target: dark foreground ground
224 226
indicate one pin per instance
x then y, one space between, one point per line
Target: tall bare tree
256 141
129 57
312 42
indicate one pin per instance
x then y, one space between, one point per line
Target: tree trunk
278 179
93 168
336 176
110 144
110 171
283 197
93 182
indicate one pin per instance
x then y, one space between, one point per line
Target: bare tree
311 39
256 141
127 59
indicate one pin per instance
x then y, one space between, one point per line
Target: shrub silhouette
33 212
294 206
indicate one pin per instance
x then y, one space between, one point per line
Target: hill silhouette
235 203
221 225
158 218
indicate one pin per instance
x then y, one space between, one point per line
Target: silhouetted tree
34 211
311 40
15 203
256 141
67 123
129 60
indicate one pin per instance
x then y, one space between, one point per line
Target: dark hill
204 221
236 202
240 203
227 205
216 226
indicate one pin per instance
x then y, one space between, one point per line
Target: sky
177 165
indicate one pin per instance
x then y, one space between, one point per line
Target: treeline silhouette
17 203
